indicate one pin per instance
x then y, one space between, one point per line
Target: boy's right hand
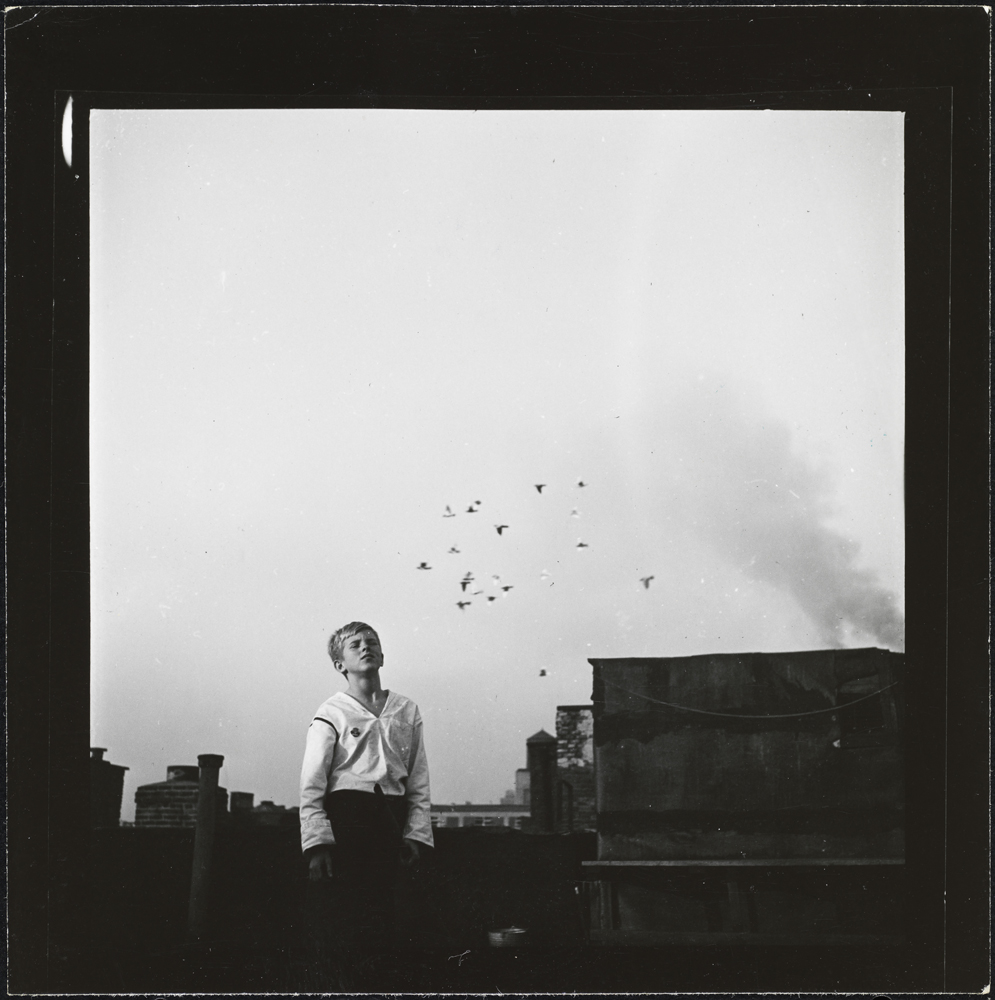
320 866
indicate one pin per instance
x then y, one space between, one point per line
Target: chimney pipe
203 844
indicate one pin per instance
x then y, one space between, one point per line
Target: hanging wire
735 715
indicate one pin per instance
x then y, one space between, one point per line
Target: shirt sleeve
419 823
316 830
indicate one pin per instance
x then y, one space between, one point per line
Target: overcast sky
313 330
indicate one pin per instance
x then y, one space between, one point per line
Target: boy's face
361 654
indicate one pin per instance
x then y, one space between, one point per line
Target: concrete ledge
725 938
748 863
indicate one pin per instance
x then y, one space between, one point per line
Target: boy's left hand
410 853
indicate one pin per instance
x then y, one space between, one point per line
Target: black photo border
930 63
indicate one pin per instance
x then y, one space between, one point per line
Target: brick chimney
173 802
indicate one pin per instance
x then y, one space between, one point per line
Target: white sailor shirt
348 747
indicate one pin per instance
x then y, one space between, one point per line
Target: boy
365 802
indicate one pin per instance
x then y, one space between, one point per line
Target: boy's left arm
419 823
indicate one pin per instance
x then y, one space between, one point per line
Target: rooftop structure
173 802
106 789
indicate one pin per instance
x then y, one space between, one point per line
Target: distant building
268 814
264 814
106 789
240 804
508 815
518 796
173 803
522 786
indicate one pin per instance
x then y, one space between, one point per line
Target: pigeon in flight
580 482
646 581
582 545
449 512
542 673
491 598
508 587
539 486
476 592
500 528
575 513
463 604
454 551
423 565
471 510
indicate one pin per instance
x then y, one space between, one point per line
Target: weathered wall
749 773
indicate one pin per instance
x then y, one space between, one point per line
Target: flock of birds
468 580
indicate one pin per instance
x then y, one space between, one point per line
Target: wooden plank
749 863
634 938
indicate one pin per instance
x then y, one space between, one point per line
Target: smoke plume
765 507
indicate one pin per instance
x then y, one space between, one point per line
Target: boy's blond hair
338 638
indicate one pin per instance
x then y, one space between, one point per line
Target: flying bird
508 587
454 551
582 545
580 482
645 580
423 565
542 673
463 604
476 592
449 512
490 598
575 513
500 528
471 510
539 486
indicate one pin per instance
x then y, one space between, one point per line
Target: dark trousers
351 915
